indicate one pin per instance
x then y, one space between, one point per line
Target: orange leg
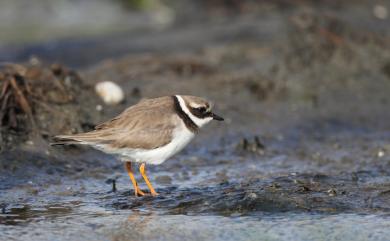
142 170
137 190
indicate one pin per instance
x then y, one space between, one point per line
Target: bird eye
201 109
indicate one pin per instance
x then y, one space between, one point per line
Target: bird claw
139 192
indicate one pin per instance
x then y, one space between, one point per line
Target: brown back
146 125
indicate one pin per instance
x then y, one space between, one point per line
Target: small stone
136 92
252 195
110 92
56 69
68 81
99 108
29 142
380 11
331 192
381 153
34 60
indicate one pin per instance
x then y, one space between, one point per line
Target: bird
149 132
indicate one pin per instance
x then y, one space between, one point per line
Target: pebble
30 143
380 11
110 92
252 195
331 192
34 60
99 108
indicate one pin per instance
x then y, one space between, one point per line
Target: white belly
181 137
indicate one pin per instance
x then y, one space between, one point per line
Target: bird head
198 109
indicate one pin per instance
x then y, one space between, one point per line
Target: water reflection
270 227
25 213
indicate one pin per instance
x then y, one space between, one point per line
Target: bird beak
216 117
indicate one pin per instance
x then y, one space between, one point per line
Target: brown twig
4 89
21 99
20 69
4 103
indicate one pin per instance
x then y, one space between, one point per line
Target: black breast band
186 119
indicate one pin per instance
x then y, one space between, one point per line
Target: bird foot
139 192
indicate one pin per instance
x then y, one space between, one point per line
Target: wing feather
146 125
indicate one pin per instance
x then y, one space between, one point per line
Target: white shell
380 11
110 92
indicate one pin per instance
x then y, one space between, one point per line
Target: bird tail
82 138
65 140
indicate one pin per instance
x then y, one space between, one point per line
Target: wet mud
304 151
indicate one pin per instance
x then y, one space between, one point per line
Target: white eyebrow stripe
183 106
195 105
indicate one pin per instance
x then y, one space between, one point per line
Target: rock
110 92
380 11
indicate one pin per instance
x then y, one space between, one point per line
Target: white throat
198 121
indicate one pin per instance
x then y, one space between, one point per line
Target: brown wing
147 125
143 106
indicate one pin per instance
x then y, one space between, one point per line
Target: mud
304 151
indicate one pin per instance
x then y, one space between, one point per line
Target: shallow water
101 224
283 189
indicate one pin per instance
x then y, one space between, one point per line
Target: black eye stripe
199 112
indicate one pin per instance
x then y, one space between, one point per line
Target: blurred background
58 30
304 87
